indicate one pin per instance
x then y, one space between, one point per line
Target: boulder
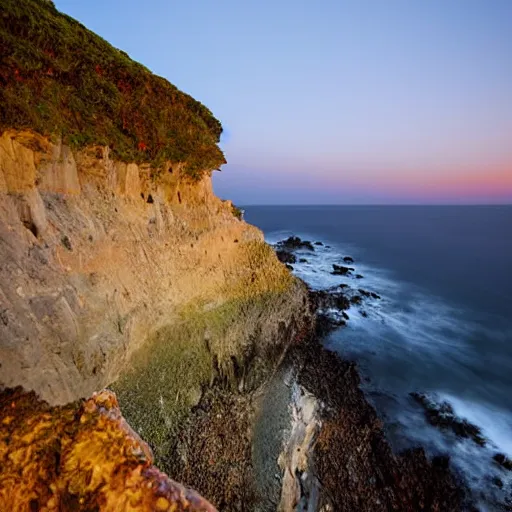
348 259
319 243
503 461
498 482
443 416
293 243
82 456
329 299
340 270
366 293
285 256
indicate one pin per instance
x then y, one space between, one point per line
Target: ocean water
443 325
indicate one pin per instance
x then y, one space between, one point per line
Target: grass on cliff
168 375
58 78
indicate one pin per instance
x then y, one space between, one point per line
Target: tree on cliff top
59 78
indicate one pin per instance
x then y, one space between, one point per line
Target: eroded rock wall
98 257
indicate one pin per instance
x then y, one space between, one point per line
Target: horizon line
377 204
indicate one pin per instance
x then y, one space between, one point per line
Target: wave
410 341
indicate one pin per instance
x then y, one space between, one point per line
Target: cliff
99 258
118 265
109 276
120 268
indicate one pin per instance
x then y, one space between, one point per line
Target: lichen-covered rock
83 456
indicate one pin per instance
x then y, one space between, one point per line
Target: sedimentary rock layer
99 256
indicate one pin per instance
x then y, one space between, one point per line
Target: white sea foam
496 424
422 335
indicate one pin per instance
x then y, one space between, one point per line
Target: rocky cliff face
118 267
100 258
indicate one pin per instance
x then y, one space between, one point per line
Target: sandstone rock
128 180
83 456
101 271
59 172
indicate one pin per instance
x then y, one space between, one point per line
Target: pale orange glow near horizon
468 183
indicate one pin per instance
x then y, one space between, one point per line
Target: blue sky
360 101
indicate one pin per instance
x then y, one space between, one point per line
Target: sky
337 101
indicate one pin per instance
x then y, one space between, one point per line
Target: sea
443 325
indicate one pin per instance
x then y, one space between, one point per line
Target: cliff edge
119 266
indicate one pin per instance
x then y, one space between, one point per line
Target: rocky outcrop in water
285 256
351 458
340 270
294 243
442 415
503 461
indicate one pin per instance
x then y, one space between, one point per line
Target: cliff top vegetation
60 79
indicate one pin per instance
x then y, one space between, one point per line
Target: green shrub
58 78
237 212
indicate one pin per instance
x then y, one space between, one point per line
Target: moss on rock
234 344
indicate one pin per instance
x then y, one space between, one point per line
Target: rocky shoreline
304 440
308 439
332 450
353 460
